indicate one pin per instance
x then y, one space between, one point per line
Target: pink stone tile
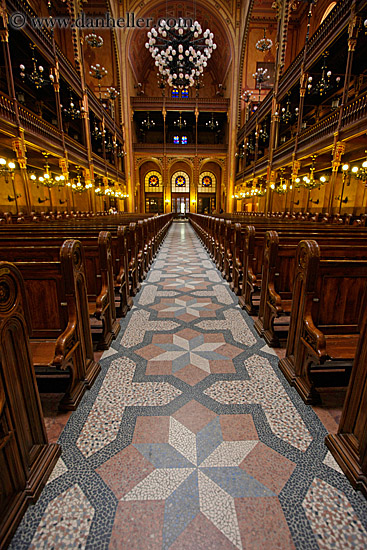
221 365
262 524
191 375
269 467
187 333
162 339
213 338
186 317
238 427
194 416
159 367
125 470
229 350
138 526
151 429
148 352
201 534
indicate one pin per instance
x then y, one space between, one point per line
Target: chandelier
36 76
93 40
242 152
260 77
47 179
180 123
287 116
309 181
324 85
71 112
247 96
212 124
6 168
180 52
264 44
147 123
98 73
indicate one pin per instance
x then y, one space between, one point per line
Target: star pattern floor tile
191 438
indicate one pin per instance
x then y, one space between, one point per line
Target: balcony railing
7 110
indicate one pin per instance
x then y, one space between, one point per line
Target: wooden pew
26 457
324 328
349 445
278 271
98 272
61 341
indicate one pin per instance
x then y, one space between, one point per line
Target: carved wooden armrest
315 339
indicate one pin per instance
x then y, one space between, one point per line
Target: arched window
327 11
153 182
207 183
180 182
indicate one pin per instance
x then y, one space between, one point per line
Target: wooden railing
219 104
7 110
323 129
355 111
39 127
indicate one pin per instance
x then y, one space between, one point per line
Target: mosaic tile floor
191 438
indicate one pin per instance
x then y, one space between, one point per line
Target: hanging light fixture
36 76
180 123
309 181
360 172
212 124
264 44
93 40
325 84
147 122
47 179
98 73
180 52
287 116
71 112
260 77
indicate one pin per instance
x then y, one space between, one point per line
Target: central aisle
191 438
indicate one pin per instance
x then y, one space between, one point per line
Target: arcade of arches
159 227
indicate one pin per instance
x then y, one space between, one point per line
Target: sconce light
12 199
42 200
296 202
315 202
62 202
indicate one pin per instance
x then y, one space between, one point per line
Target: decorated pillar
338 152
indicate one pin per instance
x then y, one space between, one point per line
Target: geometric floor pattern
191 438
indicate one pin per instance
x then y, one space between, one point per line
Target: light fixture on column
260 77
264 44
179 123
7 168
212 124
180 52
147 122
98 73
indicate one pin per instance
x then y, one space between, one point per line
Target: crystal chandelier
247 96
264 44
179 52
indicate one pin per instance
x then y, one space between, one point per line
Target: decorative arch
207 182
180 182
153 182
327 11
